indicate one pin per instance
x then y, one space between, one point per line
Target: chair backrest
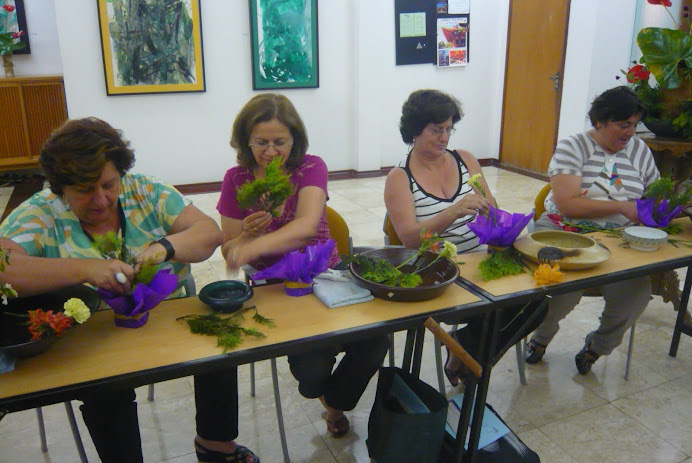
189 286
539 202
338 229
390 236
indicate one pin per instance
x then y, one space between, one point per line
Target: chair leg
252 379
440 372
391 349
41 429
150 395
629 352
520 348
75 432
279 413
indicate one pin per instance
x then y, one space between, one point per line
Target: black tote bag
397 436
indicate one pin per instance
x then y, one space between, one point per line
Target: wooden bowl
575 251
436 278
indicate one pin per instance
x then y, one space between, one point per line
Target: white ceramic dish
644 238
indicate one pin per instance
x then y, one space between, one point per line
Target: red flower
8 8
16 35
660 2
558 220
637 73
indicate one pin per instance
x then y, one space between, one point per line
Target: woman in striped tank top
429 190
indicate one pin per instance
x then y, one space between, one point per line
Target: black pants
343 387
111 415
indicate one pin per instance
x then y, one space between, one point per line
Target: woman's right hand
256 223
104 274
629 210
471 204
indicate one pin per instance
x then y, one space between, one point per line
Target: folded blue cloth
6 362
339 293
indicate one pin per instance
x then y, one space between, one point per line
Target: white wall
352 119
43 39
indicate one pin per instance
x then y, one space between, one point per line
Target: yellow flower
475 181
547 275
448 250
77 309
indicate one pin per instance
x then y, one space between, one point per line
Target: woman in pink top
266 127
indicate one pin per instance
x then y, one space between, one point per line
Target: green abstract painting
284 44
151 46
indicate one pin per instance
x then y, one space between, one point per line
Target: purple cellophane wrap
501 230
299 266
647 210
142 300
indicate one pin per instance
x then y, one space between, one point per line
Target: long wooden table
98 352
624 263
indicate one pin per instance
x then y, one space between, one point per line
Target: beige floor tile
546 449
606 434
664 409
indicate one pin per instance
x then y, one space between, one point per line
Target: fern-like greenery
499 264
267 193
228 330
112 246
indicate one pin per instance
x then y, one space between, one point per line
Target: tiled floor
563 416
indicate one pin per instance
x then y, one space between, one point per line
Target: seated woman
582 173
266 127
51 234
429 189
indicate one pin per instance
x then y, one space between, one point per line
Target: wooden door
536 43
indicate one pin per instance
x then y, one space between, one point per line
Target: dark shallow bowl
436 278
15 338
226 296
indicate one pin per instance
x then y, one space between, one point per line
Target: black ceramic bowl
225 296
15 338
436 278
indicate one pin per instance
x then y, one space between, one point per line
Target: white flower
449 250
4 299
77 309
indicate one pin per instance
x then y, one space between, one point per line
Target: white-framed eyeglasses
263 145
438 131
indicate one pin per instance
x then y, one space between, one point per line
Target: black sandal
585 359
212 456
338 427
456 375
534 352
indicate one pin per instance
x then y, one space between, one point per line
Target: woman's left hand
256 223
242 253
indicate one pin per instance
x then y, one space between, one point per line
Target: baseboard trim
524 172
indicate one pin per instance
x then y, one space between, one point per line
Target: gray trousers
625 302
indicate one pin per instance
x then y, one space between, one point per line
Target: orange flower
60 323
547 275
426 236
45 324
435 247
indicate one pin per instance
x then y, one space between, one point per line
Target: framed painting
284 44
151 46
16 23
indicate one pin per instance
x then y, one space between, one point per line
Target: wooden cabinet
30 108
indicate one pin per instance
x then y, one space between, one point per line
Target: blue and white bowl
644 238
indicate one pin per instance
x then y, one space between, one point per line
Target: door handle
556 79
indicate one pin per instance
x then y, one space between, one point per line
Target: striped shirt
45 226
428 205
621 176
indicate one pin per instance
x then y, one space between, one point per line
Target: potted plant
9 38
667 54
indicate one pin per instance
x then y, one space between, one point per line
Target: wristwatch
170 250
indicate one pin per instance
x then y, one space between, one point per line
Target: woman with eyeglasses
269 126
429 189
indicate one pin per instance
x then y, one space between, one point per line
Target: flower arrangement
667 54
46 323
151 285
662 203
267 193
6 290
406 274
498 229
9 39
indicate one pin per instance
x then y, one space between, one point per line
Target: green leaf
663 50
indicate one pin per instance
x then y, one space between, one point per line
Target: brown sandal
534 352
339 427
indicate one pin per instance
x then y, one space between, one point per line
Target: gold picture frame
157 50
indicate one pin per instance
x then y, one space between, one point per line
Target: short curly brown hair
424 107
77 152
264 108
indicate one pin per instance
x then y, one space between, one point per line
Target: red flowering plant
667 55
10 35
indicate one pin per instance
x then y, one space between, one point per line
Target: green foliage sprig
112 246
501 263
381 271
665 188
228 331
267 193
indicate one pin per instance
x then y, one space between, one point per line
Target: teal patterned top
45 226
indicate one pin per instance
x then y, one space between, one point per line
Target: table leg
680 325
